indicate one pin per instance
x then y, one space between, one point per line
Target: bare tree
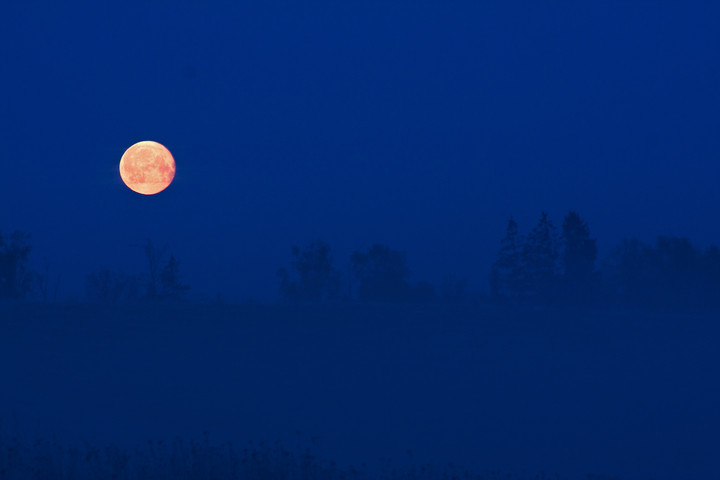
106 286
170 282
153 256
15 277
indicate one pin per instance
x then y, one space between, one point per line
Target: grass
567 390
44 459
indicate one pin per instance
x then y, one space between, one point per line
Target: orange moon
147 168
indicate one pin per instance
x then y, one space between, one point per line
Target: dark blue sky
422 125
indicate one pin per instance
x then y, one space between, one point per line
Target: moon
147 167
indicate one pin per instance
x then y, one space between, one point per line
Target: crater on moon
147 167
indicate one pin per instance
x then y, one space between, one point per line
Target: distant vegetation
16 279
551 267
377 274
312 276
547 265
179 460
160 282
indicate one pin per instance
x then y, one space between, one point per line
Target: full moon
147 168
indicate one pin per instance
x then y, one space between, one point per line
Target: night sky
420 125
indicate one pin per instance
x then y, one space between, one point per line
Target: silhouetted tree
315 278
628 273
672 274
677 264
171 286
106 286
506 271
539 261
709 276
381 273
154 256
578 260
15 277
44 284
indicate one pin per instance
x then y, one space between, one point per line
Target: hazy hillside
573 392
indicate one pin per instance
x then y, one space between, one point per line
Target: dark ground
568 391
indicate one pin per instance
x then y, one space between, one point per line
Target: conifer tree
580 251
505 275
540 260
578 259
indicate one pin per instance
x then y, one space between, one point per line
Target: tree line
161 281
552 266
547 265
378 274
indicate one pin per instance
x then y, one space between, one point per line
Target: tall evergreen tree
540 256
578 259
580 251
505 273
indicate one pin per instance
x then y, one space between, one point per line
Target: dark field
628 394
